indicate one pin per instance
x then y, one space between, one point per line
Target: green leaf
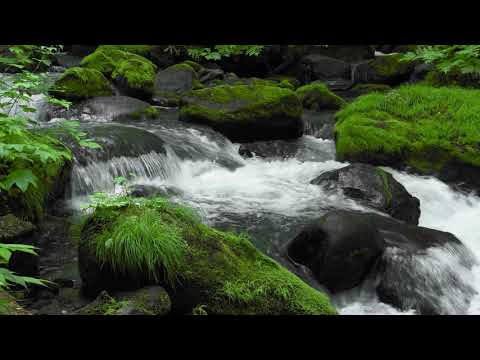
22 178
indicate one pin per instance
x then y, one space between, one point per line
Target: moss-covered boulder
156 242
430 130
133 74
246 113
317 96
77 84
175 79
385 69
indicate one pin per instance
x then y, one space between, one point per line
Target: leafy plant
215 52
20 150
7 277
464 59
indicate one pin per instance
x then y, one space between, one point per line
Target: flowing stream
271 199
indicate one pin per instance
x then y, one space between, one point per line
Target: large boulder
385 69
246 113
77 84
319 67
406 263
373 187
173 81
340 249
133 74
155 242
105 109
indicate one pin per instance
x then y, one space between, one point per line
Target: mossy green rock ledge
77 84
317 96
246 113
154 241
434 131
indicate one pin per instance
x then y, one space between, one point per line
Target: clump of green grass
417 125
140 244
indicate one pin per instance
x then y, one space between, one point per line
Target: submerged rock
344 248
374 187
246 113
198 266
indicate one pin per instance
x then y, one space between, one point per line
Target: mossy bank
429 130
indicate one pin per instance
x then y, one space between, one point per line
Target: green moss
8 305
417 125
142 50
317 96
230 274
150 112
79 83
250 104
183 67
197 85
386 186
137 71
452 79
363 89
390 65
195 66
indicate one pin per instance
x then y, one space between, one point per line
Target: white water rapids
272 199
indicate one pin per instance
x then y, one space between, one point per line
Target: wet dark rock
141 190
67 60
117 140
206 75
339 248
102 109
320 124
385 69
344 248
373 187
245 152
348 53
16 231
175 79
320 67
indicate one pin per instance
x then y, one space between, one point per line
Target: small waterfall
99 176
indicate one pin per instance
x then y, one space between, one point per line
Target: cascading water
272 200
